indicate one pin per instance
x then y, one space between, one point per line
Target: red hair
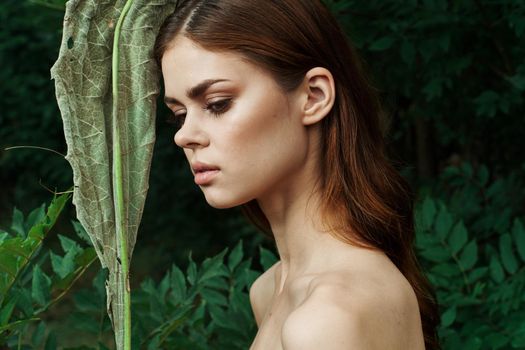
364 199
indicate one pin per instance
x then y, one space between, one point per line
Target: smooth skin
266 144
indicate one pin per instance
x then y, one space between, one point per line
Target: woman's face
240 124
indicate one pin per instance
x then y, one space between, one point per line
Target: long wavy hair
364 199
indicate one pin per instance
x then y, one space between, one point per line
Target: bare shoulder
261 292
355 311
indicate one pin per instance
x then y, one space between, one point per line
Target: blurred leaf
437 254
507 256
51 341
191 271
443 223
487 103
469 256
448 316
428 213
211 267
35 216
39 334
235 256
81 232
17 222
41 287
459 237
268 259
178 285
476 274
7 310
382 44
496 270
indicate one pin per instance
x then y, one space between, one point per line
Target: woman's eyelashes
216 108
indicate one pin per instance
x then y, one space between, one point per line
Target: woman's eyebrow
196 91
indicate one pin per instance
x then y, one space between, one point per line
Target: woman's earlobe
320 90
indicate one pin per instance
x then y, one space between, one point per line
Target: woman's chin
223 202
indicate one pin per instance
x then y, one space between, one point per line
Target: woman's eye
219 107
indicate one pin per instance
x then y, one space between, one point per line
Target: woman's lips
205 177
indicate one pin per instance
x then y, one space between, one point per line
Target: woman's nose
191 134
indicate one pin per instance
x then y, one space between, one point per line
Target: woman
276 115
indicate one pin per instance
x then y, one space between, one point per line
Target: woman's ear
319 89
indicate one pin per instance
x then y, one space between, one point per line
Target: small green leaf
3 236
214 297
9 263
41 287
382 44
443 223
428 213
235 256
487 103
17 222
211 267
63 266
178 284
51 341
469 256
164 286
191 271
507 255
25 301
7 311
496 341
434 88
81 232
448 316
267 258
459 237
436 254
68 244
483 175
476 274
472 343
446 270
39 334
36 216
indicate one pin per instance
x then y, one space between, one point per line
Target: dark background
451 75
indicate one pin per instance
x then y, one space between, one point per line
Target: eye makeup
216 108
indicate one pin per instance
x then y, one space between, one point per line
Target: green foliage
473 246
473 257
451 75
26 290
205 307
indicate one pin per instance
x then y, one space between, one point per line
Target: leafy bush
207 307
470 240
473 246
26 291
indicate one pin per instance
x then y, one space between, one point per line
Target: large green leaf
106 85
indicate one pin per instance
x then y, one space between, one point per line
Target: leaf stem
36 147
118 191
